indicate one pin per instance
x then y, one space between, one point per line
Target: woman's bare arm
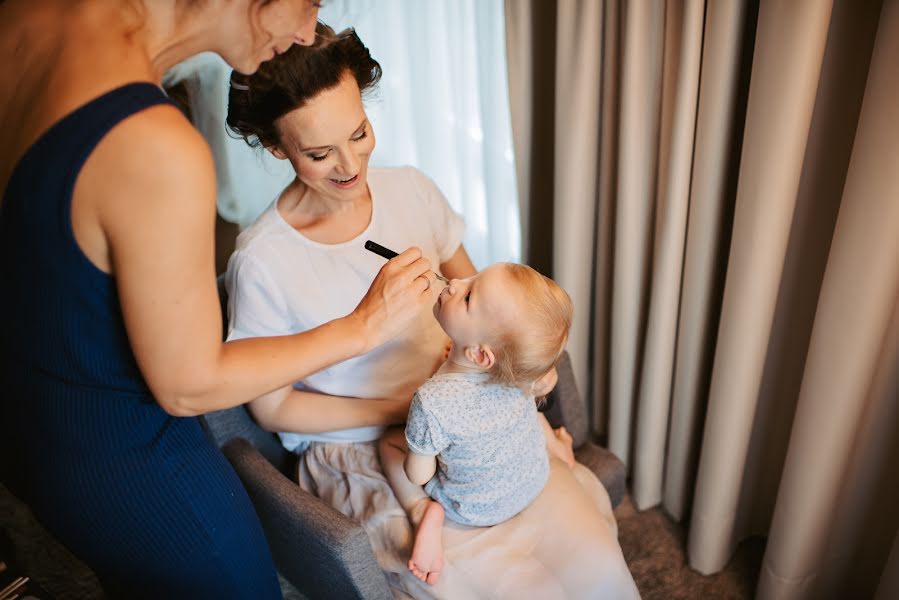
299 411
458 266
152 181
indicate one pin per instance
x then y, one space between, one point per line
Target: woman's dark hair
290 80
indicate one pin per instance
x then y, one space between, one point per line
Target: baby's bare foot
427 553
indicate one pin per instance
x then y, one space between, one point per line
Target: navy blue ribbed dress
142 497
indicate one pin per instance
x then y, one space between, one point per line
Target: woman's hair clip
239 86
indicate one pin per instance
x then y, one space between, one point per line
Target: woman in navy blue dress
110 338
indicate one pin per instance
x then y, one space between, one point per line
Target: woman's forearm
253 367
299 411
459 266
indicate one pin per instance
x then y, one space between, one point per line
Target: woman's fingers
407 257
427 281
416 267
417 271
396 296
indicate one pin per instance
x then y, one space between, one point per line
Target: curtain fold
864 256
717 139
530 51
789 51
684 31
641 68
578 62
737 346
600 326
599 323
889 582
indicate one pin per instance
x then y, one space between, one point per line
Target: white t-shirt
280 282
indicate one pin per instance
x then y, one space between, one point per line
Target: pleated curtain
716 184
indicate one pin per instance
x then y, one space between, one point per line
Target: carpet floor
654 547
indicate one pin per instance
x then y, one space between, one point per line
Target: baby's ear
481 355
276 151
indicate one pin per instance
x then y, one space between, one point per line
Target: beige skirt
564 545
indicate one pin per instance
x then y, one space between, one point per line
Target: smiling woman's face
329 142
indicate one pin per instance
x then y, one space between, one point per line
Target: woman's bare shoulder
165 131
160 144
153 164
63 56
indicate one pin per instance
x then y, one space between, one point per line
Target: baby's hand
562 446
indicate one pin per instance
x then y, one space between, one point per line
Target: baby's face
470 310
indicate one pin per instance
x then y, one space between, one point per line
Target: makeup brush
388 254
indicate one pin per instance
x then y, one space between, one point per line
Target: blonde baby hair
531 346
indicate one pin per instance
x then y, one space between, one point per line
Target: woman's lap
563 545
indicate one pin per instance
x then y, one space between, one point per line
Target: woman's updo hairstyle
291 79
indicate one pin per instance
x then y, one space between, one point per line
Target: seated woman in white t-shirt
303 264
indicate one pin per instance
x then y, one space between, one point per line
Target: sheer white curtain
442 106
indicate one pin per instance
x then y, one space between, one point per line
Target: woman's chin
246 64
245 67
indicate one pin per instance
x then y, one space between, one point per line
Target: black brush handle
379 249
388 254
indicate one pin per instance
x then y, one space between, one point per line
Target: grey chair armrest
566 408
607 468
565 405
322 552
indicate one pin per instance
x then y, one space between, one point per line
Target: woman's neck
323 219
152 35
168 36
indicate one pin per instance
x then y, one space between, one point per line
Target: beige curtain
716 184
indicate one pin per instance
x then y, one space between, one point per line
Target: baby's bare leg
425 515
426 562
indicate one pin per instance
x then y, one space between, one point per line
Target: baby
475 422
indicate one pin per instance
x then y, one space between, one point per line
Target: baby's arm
420 468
